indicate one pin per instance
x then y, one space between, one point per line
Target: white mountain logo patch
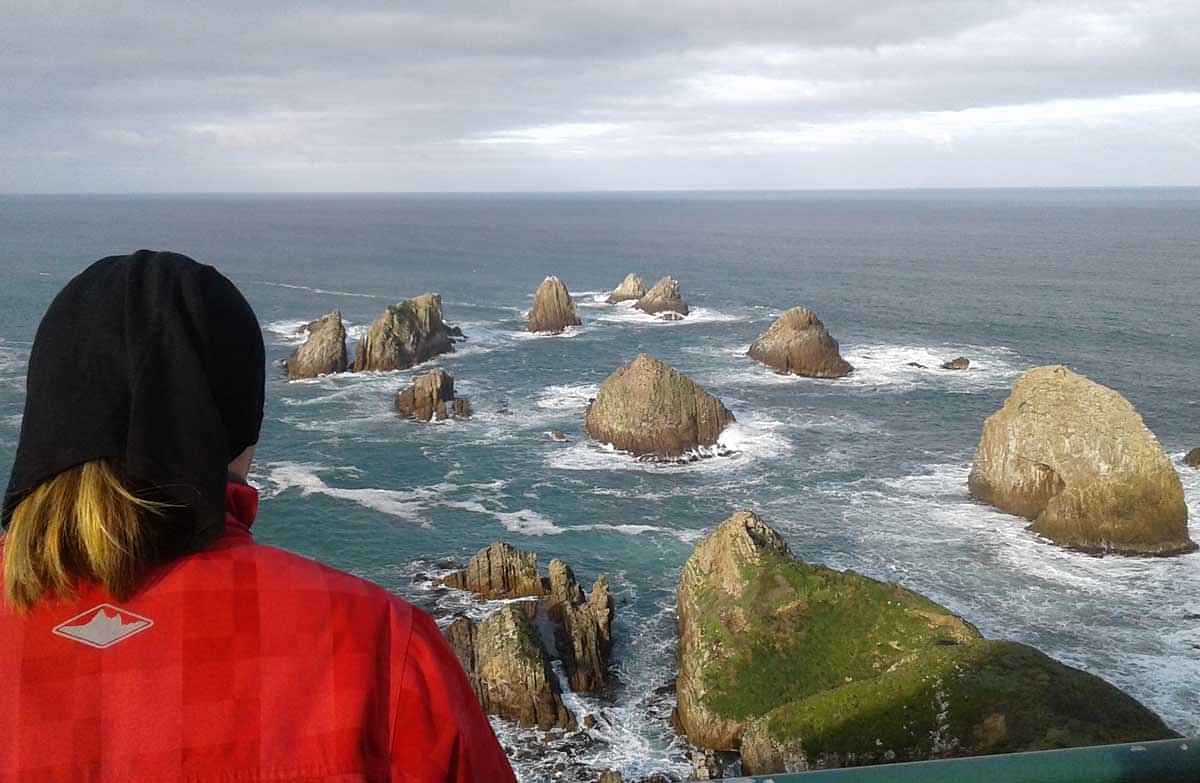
103 626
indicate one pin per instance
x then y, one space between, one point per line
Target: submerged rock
1192 458
432 396
648 408
959 363
323 352
663 297
553 309
803 667
797 343
1075 458
407 333
632 287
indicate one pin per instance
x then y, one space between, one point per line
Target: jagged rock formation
632 287
797 343
407 333
432 396
581 625
500 571
553 308
323 352
959 363
1192 458
802 667
664 297
509 670
1075 458
648 408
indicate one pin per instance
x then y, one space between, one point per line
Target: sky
557 95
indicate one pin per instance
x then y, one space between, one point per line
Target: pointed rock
553 309
664 297
1076 458
432 396
323 352
632 287
515 678
798 344
500 571
794 665
648 408
406 334
583 628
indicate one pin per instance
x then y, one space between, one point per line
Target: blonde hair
84 524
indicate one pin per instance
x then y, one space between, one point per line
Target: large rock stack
663 299
633 287
802 667
323 352
797 343
648 408
431 396
506 656
553 308
406 334
1075 458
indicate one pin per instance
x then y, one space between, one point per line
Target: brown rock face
432 396
632 287
323 352
581 626
500 571
553 309
960 363
1192 458
648 408
663 297
511 669
1075 458
797 343
405 334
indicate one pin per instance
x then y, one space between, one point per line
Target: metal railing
1163 761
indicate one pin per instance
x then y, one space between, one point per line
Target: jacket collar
241 506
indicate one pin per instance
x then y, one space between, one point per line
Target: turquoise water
867 472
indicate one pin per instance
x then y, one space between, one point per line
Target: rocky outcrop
553 308
431 396
509 670
959 363
798 344
323 352
664 297
1075 458
648 408
580 626
500 571
406 334
1192 458
803 667
632 287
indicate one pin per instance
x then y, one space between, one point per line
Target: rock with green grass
406 334
802 667
650 409
1076 459
513 672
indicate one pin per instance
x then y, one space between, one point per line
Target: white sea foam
408 505
320 290
626 313
570 398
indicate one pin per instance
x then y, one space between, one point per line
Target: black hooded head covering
156 361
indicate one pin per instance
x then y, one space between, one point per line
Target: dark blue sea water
868 472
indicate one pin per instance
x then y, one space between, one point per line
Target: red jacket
242 664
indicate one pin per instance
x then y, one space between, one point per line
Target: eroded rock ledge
1076 459
509 654
802 667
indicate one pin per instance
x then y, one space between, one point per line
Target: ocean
868 472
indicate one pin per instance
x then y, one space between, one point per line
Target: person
144 635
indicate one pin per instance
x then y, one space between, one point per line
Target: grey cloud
541 95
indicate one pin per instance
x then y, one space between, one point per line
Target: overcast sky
109 95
